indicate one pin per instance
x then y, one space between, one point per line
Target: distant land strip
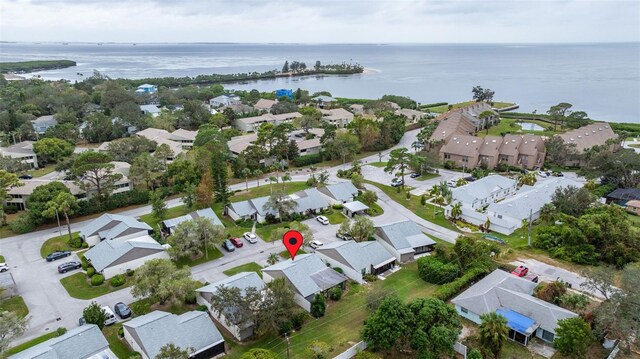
32 66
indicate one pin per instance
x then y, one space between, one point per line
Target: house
622 195
324 101
308 201
178 141
185 137
242 281
117 256
146 88
463 150
113 226
152 110
308 142
18 196
503 208
351 209
357 108
404 240
194 330
239 109
169 225
264 104
307 275
633 207
224 100
251 124
8 284
43 123
357 259
531 152
83 342
338 117
411 115
586 137
342 192
21 151
511 296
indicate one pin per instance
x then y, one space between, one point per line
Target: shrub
97 280
10 209
432 270
307 160
285 328
61 331
408 195
436 104
338 269
550 292
370 277
190 298
448 290
449 164
311 182
318 306
85 245
298 320
121 332
335 293
90 272
84 263
201 308
423 200
130 272
141 307
118 280
338 206
75 242
22 224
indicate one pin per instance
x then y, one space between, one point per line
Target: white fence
460 349
614 352
351 352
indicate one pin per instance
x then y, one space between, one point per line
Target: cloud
334 21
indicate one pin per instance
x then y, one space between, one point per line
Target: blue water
600 79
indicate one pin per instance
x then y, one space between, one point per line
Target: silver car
250 237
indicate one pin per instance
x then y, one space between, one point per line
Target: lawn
213 251
265 190
119 347
286 255
59 243
340 327
14 304
634 145
172 212
377 208
635 220
508 125
1 259
265 231
427 176
378 164
79 287
336 216
249 267
445 108
30 343
43 170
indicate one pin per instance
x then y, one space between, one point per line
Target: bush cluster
90 271
338 206
335 293
22 224
433 270
448 290
318 306
118 280
97 280
307 160
75 242
141 307
117 200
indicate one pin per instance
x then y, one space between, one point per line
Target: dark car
558 174
415 175
65 267
122 310
25 177
470 178
57 255
228 246
236 242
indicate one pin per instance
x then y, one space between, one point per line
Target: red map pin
292 241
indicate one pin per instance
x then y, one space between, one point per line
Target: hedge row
448 290
306 160
436 104
114 201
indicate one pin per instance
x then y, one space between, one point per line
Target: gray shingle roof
356 206
504 290
205 213
310 199
189 330
108 251
107 221
343 191
308 274
77 343
242 208
359 256
481 188
241 280
404 235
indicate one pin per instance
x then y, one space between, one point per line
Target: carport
355 207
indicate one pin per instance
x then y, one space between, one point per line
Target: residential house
185 137
18 196
308 201
633 207
152 110
251 124
338 117
194 330
264 104
489 151
238 109
511 297
342 192
451 124
21 151
411 115
586 137
242 281
307 142
178 141
531 152
113 226
404 240
486 190
117 256
357 109
8 284
622 195
357 259
351 209
147 88
43 123
169 225
463 150
324 101
83 342
307 275
224 100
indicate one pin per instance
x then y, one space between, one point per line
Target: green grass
635 220
265 231
635 145
511 350
172 212
285 254
14 304
119 347
377 208
445 108
378 164
213 251
264 190
42 170
508 125
31 343
79 287
427 176
249 267
336 216
1 259
340 327
59 243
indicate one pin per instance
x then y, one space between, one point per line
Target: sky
321 21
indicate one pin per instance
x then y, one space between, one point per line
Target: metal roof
78 343
242 280
108 251
242 208
107 221
204 213
343 191
405 235
358 256
308 274
356 206
482 188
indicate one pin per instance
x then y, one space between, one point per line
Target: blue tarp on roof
517 321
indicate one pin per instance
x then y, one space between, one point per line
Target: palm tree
246 173
528 179
272 179
486 116
280 203
64 203
493 332
285 177
273 259
257 173
456 210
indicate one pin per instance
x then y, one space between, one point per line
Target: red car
521 271
236 242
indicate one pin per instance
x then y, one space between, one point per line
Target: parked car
65 267
469 178
344 236
315 244
415 175
397 182
236 242
57 255
558 174
3 267
228 246
543 174
520 271
452 183
532 277
322 219
250 237
122 310
111 318
25 176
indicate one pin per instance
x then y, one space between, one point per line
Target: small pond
530 126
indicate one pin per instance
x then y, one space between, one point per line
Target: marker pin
292 241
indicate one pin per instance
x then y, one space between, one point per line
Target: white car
452 183
322 219
111 318
315 244
543 174
250 237
3 267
